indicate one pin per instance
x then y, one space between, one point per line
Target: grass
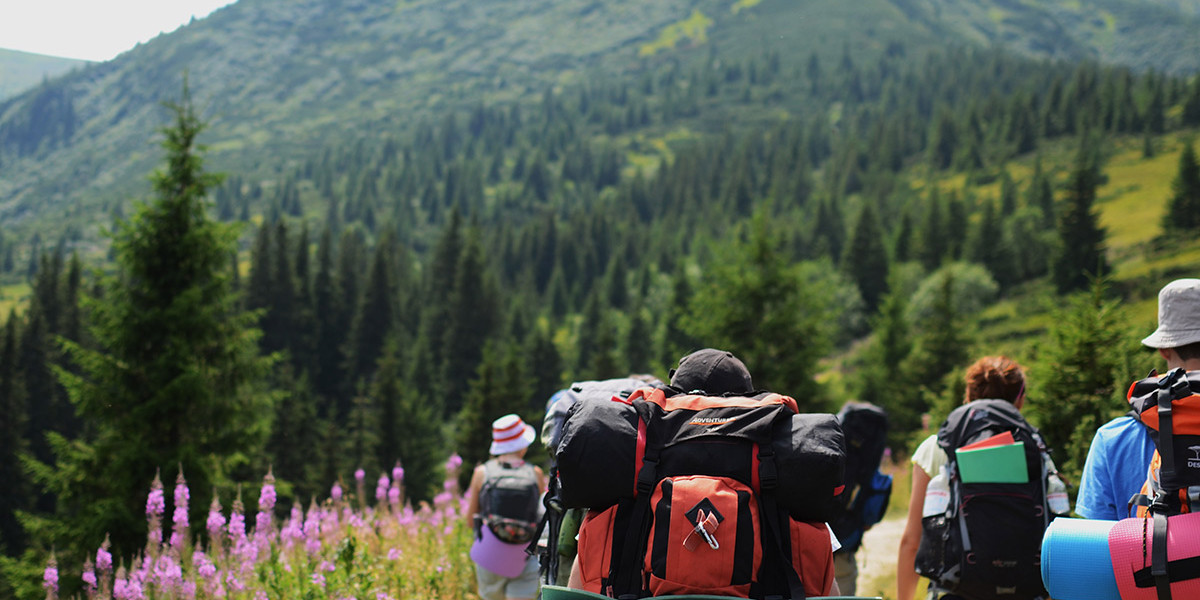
694 28
13 297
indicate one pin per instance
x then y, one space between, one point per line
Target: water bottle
937 495
1056 495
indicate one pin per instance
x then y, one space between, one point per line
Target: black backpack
509 501
868 491
987 543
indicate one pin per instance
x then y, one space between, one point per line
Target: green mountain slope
20 71
282 80
1144 34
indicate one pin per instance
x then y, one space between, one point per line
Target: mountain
20 71
281 81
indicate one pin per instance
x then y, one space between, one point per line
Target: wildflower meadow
343 548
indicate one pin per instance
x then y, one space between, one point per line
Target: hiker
503 570
708 373
938 515
1116 463
867 492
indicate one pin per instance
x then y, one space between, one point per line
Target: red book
999 439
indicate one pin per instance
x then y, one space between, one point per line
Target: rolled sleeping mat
1131 545
1075 560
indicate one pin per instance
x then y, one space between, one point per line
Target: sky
95 30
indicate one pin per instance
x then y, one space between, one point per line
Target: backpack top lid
967 422
865 427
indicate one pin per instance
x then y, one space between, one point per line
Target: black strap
777 533
625 569
1158 561
1181 570
552 518
1166 429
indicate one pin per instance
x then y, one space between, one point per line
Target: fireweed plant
343 548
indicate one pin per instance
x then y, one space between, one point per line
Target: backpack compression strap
1173 384
777 533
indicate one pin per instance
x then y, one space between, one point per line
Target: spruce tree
1082 250
499 387
753 303
1183 209
866 260
175 379
13 444
474 312
409 427
1083 368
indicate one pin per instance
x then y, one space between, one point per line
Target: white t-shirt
930 456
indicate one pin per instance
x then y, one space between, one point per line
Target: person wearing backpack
504 501
706 542
1122 449
975 528
868 490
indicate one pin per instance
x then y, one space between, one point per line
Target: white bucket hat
509 434
1178 315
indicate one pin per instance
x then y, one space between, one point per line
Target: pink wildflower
204 567
168 575
381 487
155 507
103 557
50 577
318 579
216 520
394 495
180 517
266 504
454 462
360 475
397 473
394 554
336 492
89 576
237 520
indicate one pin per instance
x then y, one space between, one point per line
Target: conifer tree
1082 250
940 347
499 387
1084 364
375 318
753 303
294 445
884 381
13 444
544 366
1183 209
474 310
175 379
866 260
409 427
327 305
676 340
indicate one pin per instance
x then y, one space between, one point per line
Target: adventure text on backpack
868 491
695 494
509 501
982 529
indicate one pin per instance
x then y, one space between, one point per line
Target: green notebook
993 464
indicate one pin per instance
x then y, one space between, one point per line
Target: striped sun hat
509 434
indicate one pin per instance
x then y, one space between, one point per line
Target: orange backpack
692 494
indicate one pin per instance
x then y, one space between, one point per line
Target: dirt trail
877 558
